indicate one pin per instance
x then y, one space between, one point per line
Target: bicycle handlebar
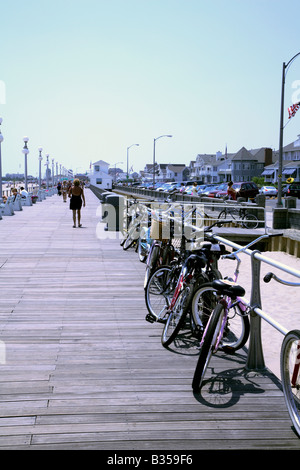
269 276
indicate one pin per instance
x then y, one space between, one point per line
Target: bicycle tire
222 215
141 251
176 318
206 351
128 243
237 330
250 221
157 296
290 376
152 264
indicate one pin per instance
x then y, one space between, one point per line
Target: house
213 168
291 151
99 175
290 163
249 163
175 172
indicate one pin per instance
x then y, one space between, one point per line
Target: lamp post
52 172
137 145
116 170
284 67
154 156
47 170
1 140
26 152
40 167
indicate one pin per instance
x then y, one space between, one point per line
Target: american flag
293 109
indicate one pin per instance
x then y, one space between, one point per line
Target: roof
176 168
101 162
243 154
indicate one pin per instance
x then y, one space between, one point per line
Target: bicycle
170 288
139 219
161 251
290 365
240 216
227 294
237 328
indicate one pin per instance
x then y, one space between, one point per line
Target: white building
99 176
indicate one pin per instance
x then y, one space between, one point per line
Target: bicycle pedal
150 318
228 349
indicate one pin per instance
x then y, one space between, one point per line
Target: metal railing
255 357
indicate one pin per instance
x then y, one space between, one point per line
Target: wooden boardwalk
83 368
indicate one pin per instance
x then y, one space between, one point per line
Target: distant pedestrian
59 188
77 197
64 191
194 189
231 192
23 192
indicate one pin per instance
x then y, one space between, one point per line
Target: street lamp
26 152
116 170
47 170
284 67
137 145
40 167
52 172
154 156
1 140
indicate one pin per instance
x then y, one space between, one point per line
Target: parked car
203 189
268 191
294 190
214 190
244 189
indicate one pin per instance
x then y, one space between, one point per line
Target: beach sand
278 301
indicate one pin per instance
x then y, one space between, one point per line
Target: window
98 180
97 168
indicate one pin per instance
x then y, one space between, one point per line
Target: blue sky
85 80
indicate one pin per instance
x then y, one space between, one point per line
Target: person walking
64 191
77 197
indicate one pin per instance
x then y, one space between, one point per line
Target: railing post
255 359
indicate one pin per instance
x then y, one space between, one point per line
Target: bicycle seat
199 260
229 288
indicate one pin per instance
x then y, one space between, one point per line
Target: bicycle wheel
222 216
128 242
152 263
176 318
237 329
208 346
158 292
290 368
250 221
142 249
204 301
